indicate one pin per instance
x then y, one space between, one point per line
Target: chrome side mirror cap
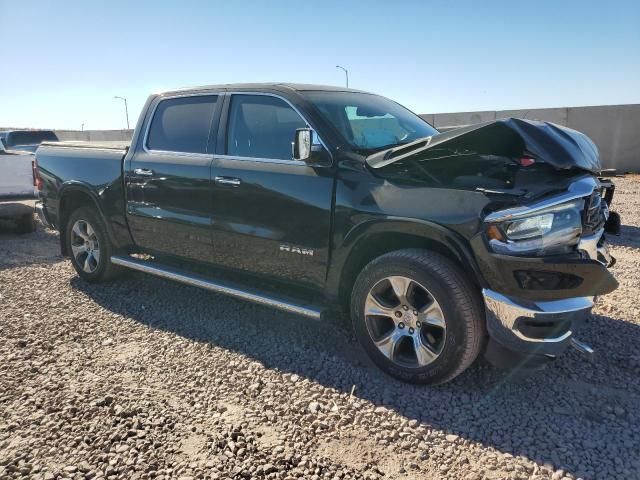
301 145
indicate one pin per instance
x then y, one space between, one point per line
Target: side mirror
302 144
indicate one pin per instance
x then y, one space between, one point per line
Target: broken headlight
554 230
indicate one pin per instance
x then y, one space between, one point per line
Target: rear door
270 214
168 180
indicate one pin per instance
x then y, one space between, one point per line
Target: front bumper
529 332
534 328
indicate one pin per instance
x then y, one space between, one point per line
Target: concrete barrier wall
617 133
95 135
615 129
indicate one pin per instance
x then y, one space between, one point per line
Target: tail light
526 161
37 181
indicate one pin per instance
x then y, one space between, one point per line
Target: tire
439 334
26 223
89 246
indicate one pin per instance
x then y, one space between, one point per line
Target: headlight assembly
551 231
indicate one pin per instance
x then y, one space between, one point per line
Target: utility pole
82 127
346 73
126 109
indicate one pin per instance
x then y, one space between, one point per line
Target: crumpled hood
559 146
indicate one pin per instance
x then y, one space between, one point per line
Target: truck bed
94 165
105 145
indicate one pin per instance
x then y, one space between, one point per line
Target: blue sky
64 61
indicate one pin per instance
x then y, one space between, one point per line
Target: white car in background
18 188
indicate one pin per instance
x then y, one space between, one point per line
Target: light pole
126 109
82 127
346 73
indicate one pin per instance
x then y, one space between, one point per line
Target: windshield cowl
398 152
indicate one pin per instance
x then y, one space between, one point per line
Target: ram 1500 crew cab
441 246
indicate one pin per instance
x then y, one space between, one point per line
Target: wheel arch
74 195
367 242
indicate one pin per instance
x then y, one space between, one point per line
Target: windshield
369 122
30 137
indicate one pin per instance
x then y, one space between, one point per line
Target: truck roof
277 86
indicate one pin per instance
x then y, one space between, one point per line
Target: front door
271 215
169 188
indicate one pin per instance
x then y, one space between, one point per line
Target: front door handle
232 182
145 172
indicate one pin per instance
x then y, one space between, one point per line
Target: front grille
593 216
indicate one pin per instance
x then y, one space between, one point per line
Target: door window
182 124
261 126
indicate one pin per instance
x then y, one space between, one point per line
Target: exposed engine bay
508 154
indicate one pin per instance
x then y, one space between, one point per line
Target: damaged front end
560 147
541 247
511 156
546 262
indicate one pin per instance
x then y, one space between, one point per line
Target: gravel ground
144 378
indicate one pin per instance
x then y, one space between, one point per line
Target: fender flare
72 186
453 242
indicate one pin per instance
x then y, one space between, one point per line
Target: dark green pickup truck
440 246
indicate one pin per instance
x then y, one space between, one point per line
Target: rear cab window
182 124
261 126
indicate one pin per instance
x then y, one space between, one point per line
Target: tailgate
16 174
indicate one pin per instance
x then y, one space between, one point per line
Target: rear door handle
145 172
232 182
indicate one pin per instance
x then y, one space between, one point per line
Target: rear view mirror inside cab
369 112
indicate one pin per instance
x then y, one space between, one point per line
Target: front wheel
417 316
89 246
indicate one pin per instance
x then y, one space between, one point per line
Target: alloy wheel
85 246
405 322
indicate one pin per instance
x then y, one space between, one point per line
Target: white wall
95 135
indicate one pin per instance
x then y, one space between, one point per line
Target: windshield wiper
394 154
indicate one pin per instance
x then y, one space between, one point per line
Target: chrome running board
174 274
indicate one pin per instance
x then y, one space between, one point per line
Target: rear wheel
89 246
417 316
